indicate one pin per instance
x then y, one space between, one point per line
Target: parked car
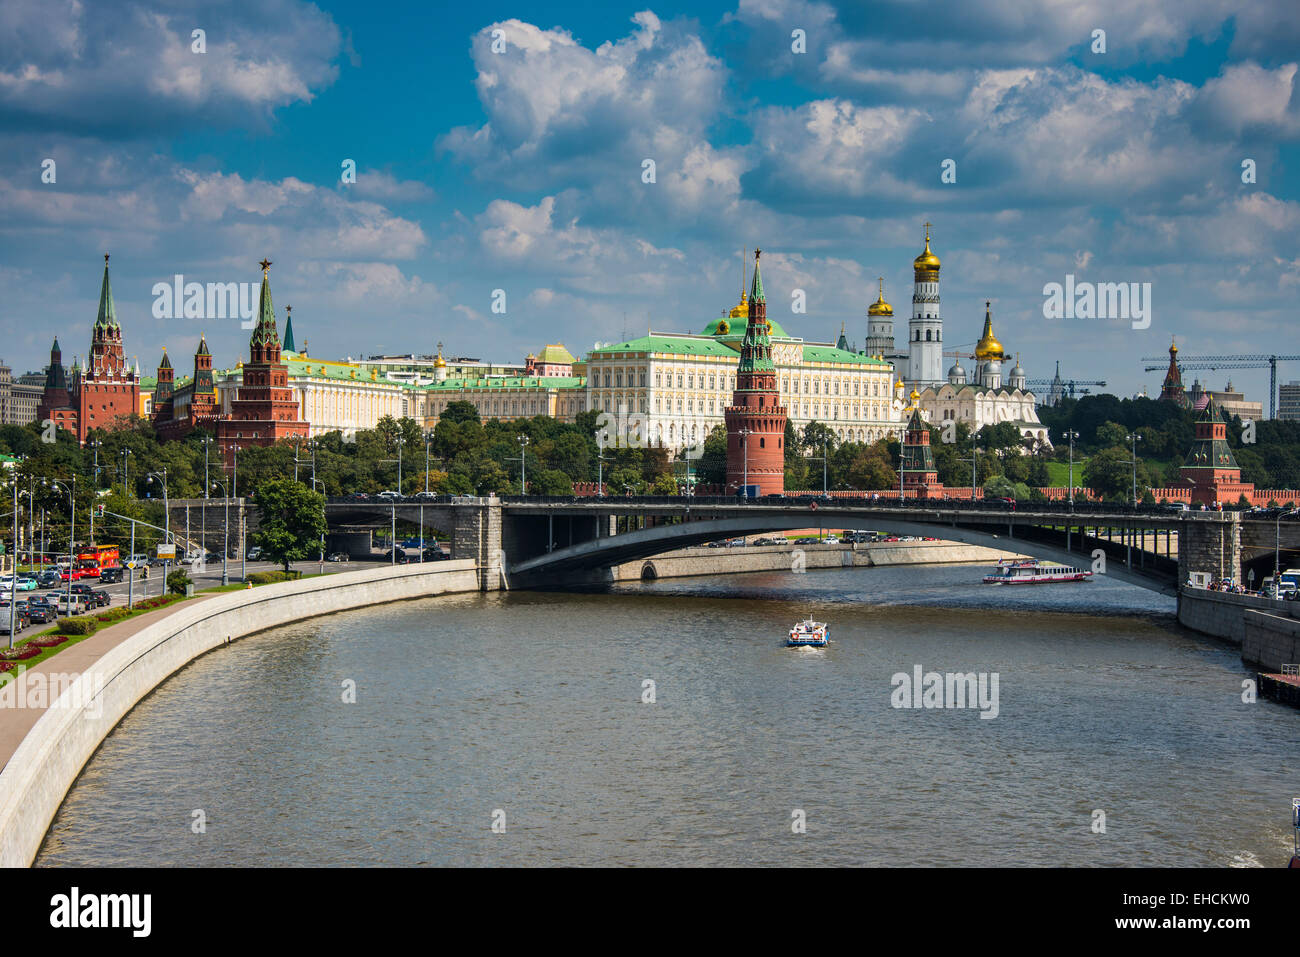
110 575
337 557
401 558
435 554
20 617
255 553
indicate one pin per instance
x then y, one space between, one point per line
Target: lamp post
94 484
1133 438
13 577
523 464
207 488
126 473
72 529
1277 550
225 548
1071 435
428 437
167 518
314 483
600 471
401 440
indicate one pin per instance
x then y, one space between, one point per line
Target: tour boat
809 634
1030 571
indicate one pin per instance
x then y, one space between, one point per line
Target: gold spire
926 265
741 309
880 307
440 362
988 347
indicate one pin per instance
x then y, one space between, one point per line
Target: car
401 558
111 574
435 554
426 495
139 559
389 494
89 595
255 553
358 497
337 557
21 620
41 612
47 579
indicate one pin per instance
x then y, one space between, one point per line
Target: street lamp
1134 438
523 464
401 440
125 469
13 576
225 547
1071 435
72 529
167 517
314 483
428 437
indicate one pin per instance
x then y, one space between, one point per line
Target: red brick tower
264 410
107 388
756 419
919 474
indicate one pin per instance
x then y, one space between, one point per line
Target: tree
291 519
1109 473
711 467
460 411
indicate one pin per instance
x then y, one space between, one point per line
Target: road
207 577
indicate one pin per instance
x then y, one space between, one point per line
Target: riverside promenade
17 719
103 677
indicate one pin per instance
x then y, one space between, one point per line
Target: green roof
680 345
834 354
509 382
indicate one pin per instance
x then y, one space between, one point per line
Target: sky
519 165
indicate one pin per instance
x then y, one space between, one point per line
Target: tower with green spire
919 473
755 418
264 409
288 329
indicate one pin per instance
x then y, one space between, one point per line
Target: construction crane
1068 386
1215 363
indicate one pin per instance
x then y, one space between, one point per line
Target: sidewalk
16 721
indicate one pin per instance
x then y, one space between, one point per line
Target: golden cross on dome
265 264
927 232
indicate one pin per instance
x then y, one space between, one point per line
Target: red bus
95 558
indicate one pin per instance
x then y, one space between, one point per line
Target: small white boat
1030 571
809 634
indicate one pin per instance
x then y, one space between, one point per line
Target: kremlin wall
743 370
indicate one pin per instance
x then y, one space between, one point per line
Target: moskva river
523 729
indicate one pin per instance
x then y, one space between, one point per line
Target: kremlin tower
756 419
264 409
104 389
917 458
925 329
1172 390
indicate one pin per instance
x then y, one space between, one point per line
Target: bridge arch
597 556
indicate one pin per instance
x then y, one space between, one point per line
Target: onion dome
988 347
957 375
880 307
440 362
741 309
925 267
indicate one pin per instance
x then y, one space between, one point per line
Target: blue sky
521 170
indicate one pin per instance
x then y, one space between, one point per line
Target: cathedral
984 395
100 390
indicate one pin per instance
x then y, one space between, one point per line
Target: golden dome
988 347
723 326
440 362
741 310
914 396
926 265
880 307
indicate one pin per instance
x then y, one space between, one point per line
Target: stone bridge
537 540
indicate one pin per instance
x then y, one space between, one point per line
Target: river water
527 709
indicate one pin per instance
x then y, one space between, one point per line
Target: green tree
291 519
